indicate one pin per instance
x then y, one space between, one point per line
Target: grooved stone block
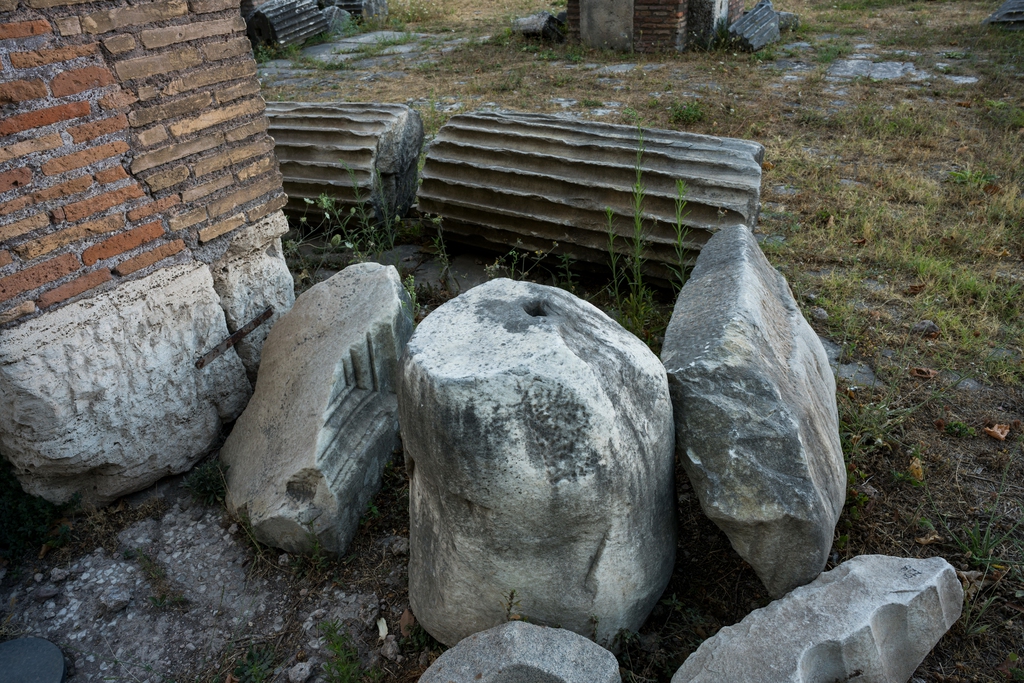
502 178
307 454
532 425
757 428
756 28
517 652
873 618
88 391
347 149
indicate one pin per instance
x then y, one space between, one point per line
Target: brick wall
132 138
659 25
735 10
572 17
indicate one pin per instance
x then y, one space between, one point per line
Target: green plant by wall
206 483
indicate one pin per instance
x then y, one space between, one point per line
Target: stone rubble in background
87 391
757 28
873 618
521 404
306 456
1010 15
541 25
249 277
521 652
757 427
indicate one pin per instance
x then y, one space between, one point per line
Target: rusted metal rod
235 338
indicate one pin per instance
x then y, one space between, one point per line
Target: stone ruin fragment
646 26
140 225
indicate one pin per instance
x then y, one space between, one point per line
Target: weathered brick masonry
131 139
657 24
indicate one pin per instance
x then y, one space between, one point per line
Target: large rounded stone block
538 439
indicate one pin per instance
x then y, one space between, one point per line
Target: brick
85 157
174 109
218 229
212 118
113 19
236 47
148 258
162 37
245 195
5 258
150 209
56 240
73 82
28 60
16 204
232 156
121 43
44 4
242 132
111 175
151 136
74 186
201 79
165 179
88 207
152 65
187 219
19 311
37 276
19 91
24 29
205 6
118 100
237 90
24 226
120 243
8 5
207 188
19 177
20 149
42 117
69 26
164 155
74 288
148 92
91 131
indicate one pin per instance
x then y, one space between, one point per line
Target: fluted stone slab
502 178
352 152
533 424
102 397
284 22
1009 15
757 28
757 427
306 456
874 618
518 652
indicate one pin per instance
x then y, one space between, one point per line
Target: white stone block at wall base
607 24
251 275
872 619
102 397
306 456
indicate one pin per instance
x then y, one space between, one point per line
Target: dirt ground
886 201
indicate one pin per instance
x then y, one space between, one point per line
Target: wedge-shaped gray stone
542 25
1009 15
538 441
757 28
873 619
306 456
529 181
517 652
352 152
757 428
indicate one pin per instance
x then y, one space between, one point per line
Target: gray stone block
757 28
873 618
306 456
532 425
757 428
540 25
524 653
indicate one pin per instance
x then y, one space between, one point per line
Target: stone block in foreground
517 652
306 456
102 397
352 152
873 618
506 180
757 427
538 441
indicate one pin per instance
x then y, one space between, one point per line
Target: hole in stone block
535 309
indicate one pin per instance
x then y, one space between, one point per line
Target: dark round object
31 660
